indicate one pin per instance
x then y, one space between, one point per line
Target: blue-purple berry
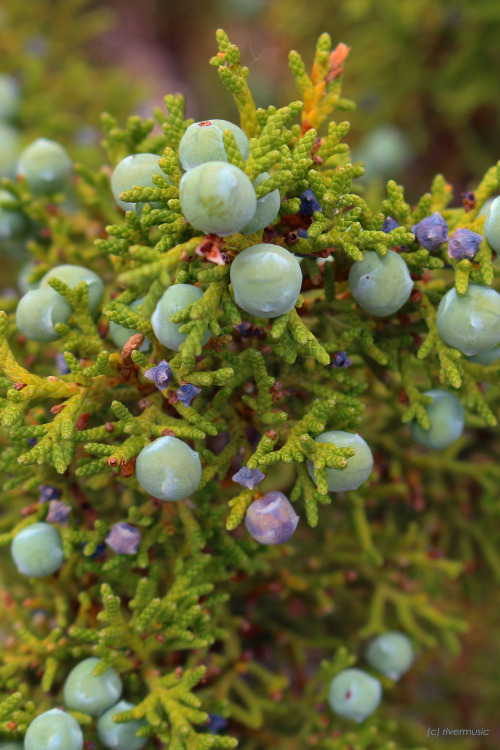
271 519
160 374
123 538
464 244
187 393
389 224
58 512
309 203
248 478
431 232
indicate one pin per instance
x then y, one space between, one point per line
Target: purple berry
272 519
58 512
248 478
389 224
47 492
186 393
61 364
464 244
215 724
309 203
340 359
431 232
124 539
161 375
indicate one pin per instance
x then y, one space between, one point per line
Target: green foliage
50 43
429 72
201 619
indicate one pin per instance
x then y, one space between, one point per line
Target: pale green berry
391 654
37 550
447 419
470 323
380 285
492 225
174 298
54 730
9 149
385 151
266 210
354 694
15 227
91 694
135 171
168 469
487 358
121 736
38 311
203 142
485 207
45 166
266 280
359 466
10 98
121 335
217 198
73 275
25 272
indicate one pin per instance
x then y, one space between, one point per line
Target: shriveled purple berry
431 232
186 393
248 478
124 539
464 243
340 359
309 203
302 233
215 724
245 329
58 512
99 550
272 519
161 375
61 364
48 492
389 224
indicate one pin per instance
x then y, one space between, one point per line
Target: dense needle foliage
219 639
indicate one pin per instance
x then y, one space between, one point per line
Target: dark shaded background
429 67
